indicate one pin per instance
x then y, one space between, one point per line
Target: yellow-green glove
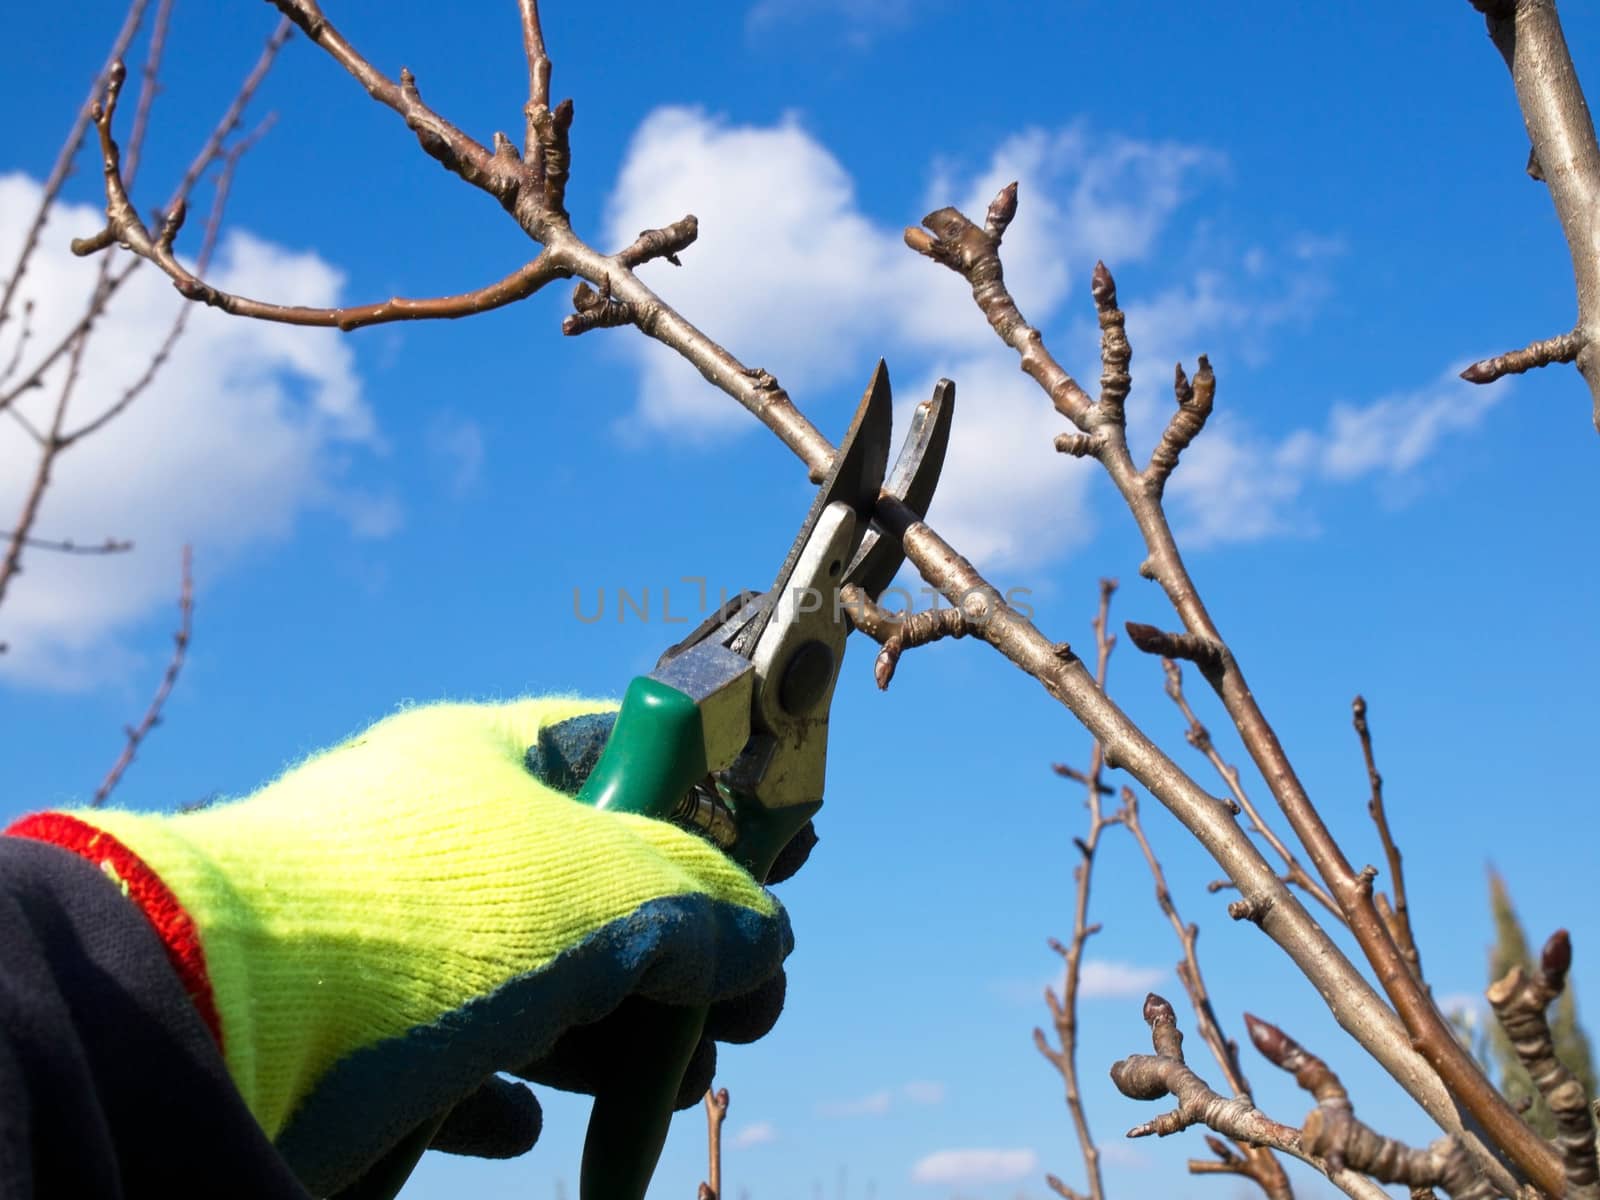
377 932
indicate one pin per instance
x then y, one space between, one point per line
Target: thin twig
213 149
1166 1073
180 321
70 546
1204 652
1198 736
1332 1131
24 332
1400 925
1064 1010
62 167
538 75
233 116
149 85
136 734
1194 406
1254 1162
716 1114
49 448
105 288
1563 348
899 632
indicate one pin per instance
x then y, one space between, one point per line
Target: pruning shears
728 735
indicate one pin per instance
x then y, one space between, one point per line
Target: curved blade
913 480
855 478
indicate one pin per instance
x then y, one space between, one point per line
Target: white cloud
756 1134
924 1091
1395 433
974 1167
1234 485
790 273
1102 979
248 425
786 267
874 1104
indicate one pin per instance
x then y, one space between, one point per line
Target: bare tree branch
126 227
152 714
497 172
1165 1073
1528 35
1332 1131
972 253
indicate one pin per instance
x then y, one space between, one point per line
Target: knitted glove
376 933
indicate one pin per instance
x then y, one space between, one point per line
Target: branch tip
1563 348
1001 211
1556 959
1203 652
1102 287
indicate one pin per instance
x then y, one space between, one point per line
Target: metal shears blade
855 478
915 475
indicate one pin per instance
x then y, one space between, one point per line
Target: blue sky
1332 206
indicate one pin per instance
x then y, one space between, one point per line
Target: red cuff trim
176 928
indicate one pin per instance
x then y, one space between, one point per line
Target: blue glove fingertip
567 751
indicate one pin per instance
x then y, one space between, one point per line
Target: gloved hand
376 933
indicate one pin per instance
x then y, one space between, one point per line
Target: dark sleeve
110 1085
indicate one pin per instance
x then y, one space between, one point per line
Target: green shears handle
654 756
656 753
